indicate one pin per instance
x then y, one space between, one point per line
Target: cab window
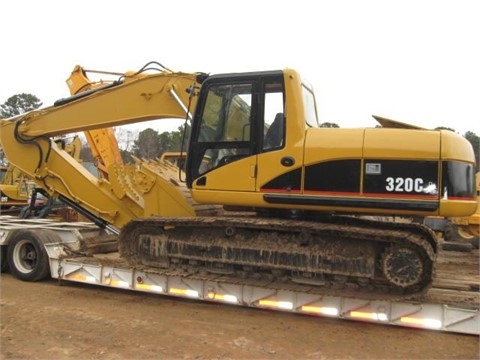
225 128
274 117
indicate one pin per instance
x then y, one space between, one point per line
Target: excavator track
339 254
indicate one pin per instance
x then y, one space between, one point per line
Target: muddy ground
73 321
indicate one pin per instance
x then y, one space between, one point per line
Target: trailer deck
82 255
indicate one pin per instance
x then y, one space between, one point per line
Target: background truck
299 192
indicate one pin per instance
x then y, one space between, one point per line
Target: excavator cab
238 118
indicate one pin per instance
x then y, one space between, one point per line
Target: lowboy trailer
34 249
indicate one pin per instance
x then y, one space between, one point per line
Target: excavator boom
158 96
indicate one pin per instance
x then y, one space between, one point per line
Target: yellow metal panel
454 148
453 208
269 163
235 176
331 143
247 199
401 144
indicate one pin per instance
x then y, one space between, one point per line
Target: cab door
221 156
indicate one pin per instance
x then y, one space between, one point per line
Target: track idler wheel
402 266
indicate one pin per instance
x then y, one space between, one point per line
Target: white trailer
81 252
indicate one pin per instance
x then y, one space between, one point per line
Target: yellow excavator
299 191
14 188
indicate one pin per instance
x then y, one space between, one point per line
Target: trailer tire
27 257
456 246
475 242
3 258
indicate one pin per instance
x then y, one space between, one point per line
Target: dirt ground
73 321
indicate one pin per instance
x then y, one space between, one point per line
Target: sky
413 61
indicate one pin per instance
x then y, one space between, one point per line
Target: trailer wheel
456 246
27 257
3 258
475 242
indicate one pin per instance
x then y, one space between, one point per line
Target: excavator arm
134 97
102 142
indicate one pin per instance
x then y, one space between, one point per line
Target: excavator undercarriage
331 253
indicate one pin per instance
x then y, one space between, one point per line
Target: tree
86 154
19 104
329 125
16 105
149 144
126 156
166 142
444 128
475 141
178 138
125 138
